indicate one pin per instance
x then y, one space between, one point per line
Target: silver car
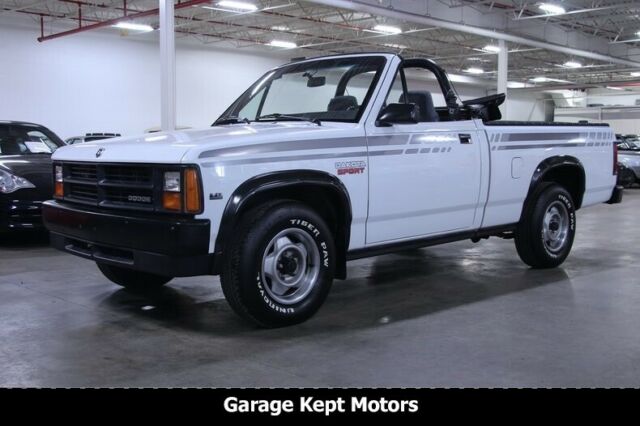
629 162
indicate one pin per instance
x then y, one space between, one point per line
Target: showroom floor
462 314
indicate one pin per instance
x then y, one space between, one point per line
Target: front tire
279 268
133 280
545 234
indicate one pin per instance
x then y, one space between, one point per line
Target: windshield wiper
231 120
278 116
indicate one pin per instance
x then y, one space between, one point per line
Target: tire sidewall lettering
313 230
572 226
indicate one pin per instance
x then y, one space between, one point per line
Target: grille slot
82 172
128 175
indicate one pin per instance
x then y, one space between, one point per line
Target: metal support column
503 72
167 66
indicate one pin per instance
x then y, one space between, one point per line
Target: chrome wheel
290 266
555 227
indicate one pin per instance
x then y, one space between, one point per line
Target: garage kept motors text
327 407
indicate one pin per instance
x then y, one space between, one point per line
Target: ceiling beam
416 18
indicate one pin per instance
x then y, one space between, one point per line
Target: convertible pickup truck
319 162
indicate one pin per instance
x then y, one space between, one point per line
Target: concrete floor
461 314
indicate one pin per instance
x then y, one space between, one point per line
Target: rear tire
133 280
280 265
544 236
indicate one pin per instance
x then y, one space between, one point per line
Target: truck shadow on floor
382 290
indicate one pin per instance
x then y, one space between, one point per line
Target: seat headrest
424 101
343 103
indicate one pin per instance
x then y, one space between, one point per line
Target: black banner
328 404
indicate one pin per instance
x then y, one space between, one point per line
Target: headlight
172 182
11 183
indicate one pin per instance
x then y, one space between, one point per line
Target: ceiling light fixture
552 9
491 48
133 27
284 44
635 74
238 5
614 88
280 28
540 79
473 70
572 64
387 29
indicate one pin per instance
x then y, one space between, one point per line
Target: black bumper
170 246
616 195
20 214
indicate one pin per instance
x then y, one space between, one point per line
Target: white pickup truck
319 162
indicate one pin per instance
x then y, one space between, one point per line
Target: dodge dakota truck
319 162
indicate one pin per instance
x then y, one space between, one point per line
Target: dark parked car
90 137
25 173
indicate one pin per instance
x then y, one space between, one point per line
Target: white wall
526 106
97 82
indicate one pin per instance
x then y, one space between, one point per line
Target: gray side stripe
533 137
387 152
286 158
297 145
388 140
538 146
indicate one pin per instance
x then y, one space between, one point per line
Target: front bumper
170 246
616 195
20 214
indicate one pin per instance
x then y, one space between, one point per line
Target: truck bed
542 123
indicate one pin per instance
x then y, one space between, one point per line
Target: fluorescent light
540 79
572 64
280 28
552 9
285 44
491 48
635 74
133 27
473 70
396 46
238 5
614 88
387 29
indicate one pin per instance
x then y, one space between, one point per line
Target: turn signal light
192 191
172 201
59 190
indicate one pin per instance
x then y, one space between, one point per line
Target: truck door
425 177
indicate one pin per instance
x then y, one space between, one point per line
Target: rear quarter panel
517 151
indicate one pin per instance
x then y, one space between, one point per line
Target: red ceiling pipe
114 21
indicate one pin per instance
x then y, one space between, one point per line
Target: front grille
112 186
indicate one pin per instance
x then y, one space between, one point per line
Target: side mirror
398 114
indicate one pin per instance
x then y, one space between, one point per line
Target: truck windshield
335 89
18 139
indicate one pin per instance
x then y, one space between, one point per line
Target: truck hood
183 146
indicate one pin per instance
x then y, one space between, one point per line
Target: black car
25 173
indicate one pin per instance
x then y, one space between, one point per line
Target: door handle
465 138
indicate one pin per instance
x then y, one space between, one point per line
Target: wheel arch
565 170
323 192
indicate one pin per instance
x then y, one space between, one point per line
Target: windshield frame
256 88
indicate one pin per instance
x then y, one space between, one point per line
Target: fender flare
260 184
553 163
